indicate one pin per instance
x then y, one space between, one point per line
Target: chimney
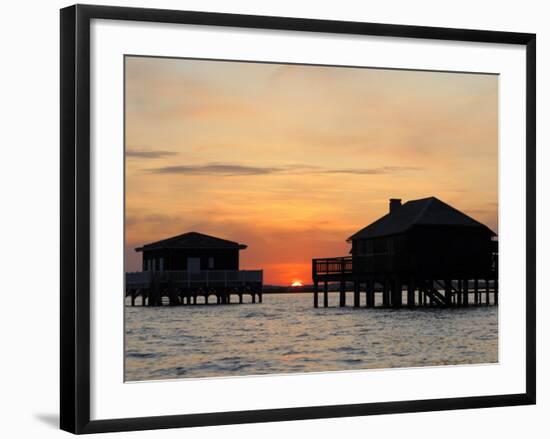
395 203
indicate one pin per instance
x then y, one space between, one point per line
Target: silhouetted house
425 237
424 245
190 266
191 252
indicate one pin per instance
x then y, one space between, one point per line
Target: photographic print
289 218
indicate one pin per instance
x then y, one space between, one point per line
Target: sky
293 159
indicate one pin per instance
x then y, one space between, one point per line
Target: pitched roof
192 240
426 211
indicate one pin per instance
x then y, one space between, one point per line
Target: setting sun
297 283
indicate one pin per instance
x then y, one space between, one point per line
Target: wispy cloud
371 171
229 170
158 219
232 170
148 154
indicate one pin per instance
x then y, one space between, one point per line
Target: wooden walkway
396 291
186 288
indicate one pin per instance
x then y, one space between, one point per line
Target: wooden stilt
342 293
260 298
356 292
448 292
397 293
325 294
385 294
466 292
156 295
495 291
315 294
486 291
143 297
370 293
172 295
410 293
253 298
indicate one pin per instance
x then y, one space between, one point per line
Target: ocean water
285 334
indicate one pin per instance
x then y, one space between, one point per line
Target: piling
370 293
315 294
356 292
410 293
342 293
385 294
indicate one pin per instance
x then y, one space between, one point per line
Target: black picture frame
75 217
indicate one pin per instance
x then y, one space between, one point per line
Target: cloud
372 171
229 170
148 154
232 170
157 219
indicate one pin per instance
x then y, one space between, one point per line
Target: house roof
192 240
426 211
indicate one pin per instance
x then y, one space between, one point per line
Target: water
285 334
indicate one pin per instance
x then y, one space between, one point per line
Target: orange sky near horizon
292 160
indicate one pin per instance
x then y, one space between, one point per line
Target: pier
148 288
424 253
391 291
191 268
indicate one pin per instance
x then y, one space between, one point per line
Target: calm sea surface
285 334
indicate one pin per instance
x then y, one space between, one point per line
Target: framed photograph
268 218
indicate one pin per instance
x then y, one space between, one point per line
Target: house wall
380 255
431 251
451 251
176 259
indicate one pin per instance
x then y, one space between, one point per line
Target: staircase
436 297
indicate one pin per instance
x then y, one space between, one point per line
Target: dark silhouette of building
424 237
424 244
191 266
191 252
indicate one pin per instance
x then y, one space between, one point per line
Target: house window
210 263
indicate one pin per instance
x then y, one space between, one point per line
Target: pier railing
380 264
328 266
207 278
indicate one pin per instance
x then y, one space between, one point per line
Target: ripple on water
285 334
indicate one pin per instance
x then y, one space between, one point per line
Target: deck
185 287
398 289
